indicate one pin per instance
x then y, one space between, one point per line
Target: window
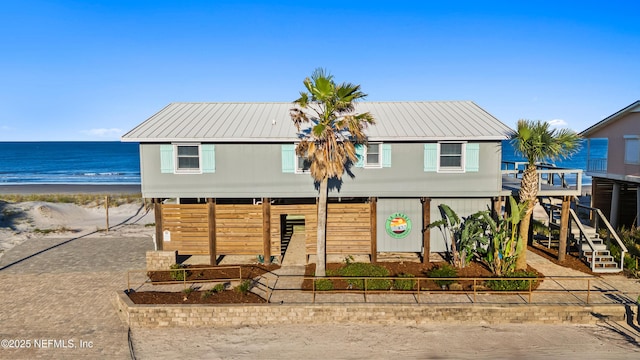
302 165
188 158
451 157
632 149
372 156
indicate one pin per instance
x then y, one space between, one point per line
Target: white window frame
365 156
635 139
451 169
299 170
177 169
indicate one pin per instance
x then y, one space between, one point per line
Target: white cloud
557 123
104 133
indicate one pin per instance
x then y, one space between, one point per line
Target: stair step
606 264
607 270
596 247
601 258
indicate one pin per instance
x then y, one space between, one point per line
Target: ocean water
597 147
110 162
116 162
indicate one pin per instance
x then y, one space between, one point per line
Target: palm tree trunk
521 260
528 193
322 229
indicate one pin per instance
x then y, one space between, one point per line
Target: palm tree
327 141
537 142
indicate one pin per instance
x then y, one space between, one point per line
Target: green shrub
513 285
365 270
178 272
406 283
218 288
188 291
444 271
244 287
323 285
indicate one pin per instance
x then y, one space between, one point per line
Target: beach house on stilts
225 178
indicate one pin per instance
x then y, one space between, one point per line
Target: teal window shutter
288 158
430 157
360 155
208 154
386 155
166 159
472 157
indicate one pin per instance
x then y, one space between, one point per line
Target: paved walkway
58 292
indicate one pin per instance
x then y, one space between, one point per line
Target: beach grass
77 199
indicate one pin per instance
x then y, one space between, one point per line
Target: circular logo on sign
398 225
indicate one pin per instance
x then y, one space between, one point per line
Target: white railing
547 175
598 218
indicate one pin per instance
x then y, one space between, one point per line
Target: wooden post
373 208
266 230
426 232
211 205
497 207
106 208
157 210
564 228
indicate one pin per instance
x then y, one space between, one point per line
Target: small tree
328 140
537 142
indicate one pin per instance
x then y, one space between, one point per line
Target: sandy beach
107 189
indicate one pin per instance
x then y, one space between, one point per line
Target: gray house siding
409 208
254 170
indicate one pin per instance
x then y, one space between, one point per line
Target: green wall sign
398 225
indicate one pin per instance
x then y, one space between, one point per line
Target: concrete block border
163 316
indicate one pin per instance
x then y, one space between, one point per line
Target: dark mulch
472 270
207 272
571 261
223 297
203 273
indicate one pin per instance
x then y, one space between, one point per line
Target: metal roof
611 118
270 122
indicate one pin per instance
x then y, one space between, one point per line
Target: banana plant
505 242
468 235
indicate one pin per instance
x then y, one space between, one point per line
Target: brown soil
206 272
472 270
223 297
571 261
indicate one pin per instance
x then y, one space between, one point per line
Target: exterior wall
615 131
180 316
441 241
255 171
409 208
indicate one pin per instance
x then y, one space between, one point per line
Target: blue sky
92 70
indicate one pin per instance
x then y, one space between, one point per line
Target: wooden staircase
584 234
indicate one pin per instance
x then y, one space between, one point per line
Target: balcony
552 180
597 165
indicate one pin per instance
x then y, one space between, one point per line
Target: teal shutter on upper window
360 155
472 157
288 158
208 158
430 157
166 158
386 155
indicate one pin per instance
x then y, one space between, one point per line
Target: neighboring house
616 174
234 172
